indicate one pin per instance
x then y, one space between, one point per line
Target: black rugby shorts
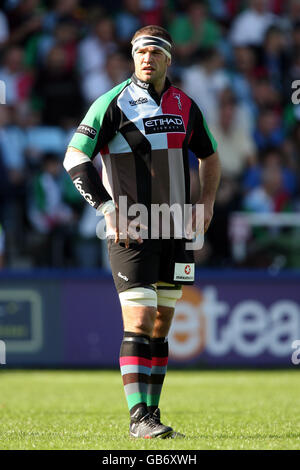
152 261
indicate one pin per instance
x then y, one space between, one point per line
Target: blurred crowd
240 62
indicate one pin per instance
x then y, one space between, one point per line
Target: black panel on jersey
141 149
200 142
186 166
185 153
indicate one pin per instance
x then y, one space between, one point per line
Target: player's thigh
167 296
136 266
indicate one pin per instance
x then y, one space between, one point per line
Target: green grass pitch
87 410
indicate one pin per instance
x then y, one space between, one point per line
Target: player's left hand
208 215
131 230
200 219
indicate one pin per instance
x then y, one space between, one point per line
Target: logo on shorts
187 269
87 130
122 276
138 101
164 123
184 272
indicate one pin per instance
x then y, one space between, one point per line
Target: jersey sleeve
201 142
99 125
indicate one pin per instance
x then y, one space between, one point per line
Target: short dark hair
153 30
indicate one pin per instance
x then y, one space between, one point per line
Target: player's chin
148 76
147 79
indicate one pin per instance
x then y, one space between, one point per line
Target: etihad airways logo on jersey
87 130
164 123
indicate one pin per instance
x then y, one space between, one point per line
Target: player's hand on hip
200 219
120 228
111 227
208 215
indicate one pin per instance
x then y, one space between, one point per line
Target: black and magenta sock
135 364
160 352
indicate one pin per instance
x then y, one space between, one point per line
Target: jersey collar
150 88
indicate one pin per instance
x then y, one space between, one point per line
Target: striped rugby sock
135 364
160 353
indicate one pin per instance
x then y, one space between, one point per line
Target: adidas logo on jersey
138 101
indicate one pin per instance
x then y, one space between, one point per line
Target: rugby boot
142 425
155 416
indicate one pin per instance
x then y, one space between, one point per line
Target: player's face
151 64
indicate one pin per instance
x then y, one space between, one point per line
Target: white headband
154 41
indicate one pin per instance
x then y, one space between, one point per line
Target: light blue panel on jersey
138 104
119 145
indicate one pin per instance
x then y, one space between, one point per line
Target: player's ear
169 61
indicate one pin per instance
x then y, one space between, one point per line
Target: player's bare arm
209 173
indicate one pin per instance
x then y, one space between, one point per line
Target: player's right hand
121 228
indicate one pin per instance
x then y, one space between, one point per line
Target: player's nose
147 57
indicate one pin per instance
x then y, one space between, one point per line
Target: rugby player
143 129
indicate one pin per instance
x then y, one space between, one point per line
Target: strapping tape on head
154 41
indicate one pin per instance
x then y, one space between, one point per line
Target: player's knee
139 297
168 297
143 325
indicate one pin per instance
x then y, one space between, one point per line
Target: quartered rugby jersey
143 140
